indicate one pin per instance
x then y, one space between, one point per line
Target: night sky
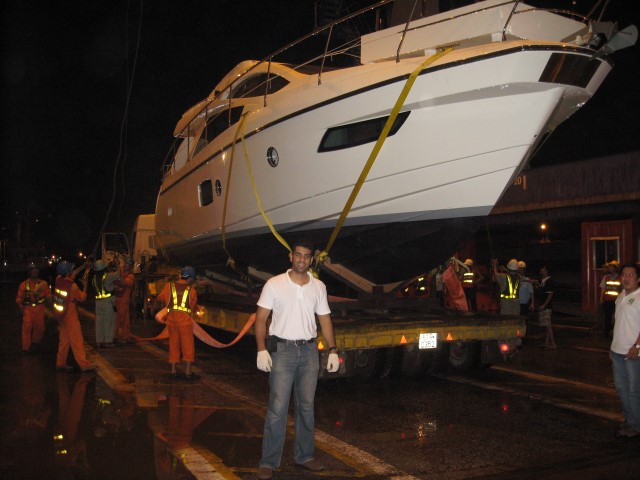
67 66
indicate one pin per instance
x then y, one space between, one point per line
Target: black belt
297 343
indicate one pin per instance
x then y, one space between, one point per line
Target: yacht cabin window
256 85
205 193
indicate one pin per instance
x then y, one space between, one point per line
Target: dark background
71 135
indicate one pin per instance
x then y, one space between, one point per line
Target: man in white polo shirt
625 350
295 298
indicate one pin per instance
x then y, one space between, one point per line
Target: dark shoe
176 376
109 345
265 473
66 368
192 377
89 369
98 345
313 465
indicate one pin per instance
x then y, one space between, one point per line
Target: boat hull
474 121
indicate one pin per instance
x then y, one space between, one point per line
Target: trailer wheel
365 363
463 356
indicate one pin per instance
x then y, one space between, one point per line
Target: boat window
219 123
354 134
205 193
255 85
180 157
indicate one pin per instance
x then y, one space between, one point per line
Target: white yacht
475 91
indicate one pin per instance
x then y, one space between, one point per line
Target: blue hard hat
64 268
188 272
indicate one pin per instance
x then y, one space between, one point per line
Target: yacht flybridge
420 126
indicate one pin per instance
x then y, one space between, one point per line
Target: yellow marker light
58 437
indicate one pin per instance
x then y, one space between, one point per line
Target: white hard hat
521 264
512 264
469 262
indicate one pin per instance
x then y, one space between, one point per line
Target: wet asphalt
543 414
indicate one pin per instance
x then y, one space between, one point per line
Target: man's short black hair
631 265
304 243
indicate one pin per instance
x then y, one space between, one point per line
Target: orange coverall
32 307
179 323
70 332
123 298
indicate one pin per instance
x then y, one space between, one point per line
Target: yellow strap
230 260
255 191
376 149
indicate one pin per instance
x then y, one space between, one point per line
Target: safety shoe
65 368
192 377
313 465
90 368
265 473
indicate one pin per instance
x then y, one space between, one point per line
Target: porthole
272 157
218 188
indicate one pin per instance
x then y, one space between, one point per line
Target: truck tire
464 356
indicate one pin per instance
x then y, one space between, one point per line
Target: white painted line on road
563 381
596 412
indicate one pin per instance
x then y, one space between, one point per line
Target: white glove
333 363
264 361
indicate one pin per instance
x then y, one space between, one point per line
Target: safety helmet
64 268
188 272
512 264
614 263
521 264
32 266
100 265
469 262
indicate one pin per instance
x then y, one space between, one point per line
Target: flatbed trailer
379 342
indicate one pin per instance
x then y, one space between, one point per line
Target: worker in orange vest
32 294
65 296
122 289
180 299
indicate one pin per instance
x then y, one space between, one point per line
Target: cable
122 132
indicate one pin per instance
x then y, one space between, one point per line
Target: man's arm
260 327
326 325
546 301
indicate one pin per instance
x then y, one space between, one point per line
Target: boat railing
337 52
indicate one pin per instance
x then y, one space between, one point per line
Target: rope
255 192
321 257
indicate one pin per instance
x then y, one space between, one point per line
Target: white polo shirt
294 307
627 325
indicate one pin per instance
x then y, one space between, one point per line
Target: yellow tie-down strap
321 257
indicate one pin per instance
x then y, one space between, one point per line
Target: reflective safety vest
468 279
612 290
100 291
183 306
60 296
513 287
32 298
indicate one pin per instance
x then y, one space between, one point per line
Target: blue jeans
626 376
297 367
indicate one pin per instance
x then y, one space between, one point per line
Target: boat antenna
123 125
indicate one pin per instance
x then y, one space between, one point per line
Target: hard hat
100 265
521 264
188 272
512 264
469 262
614 263
64 268
32 266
